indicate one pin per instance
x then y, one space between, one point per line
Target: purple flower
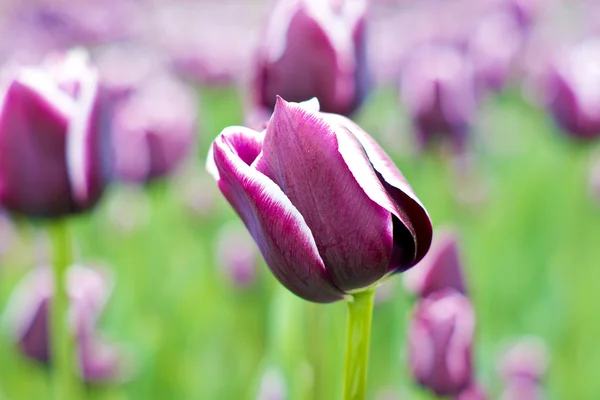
440 340
522 389
437 87
237 255
88 289
440 269
524 359
573 89
153 130
326 206
473 392
314 48
53 139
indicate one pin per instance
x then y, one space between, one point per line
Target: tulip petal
409 210
278 228
88 143
352 232
33 123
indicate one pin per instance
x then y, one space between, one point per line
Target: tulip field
297 200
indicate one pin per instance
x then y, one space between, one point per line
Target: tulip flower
236 254
573 96
440 269
314 48
525 359
88 290
153 130
53 139
440 340
437 87
327 208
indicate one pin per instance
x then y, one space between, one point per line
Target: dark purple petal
408 209
301 154
309 52
33 124
440 269
278 228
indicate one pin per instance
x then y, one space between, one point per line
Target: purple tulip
314 48
272 386
495 43
154 129
53 139
473 392
440 340
437 86
522 389
88 289
237 255
326 206
574 89
440 269
524 359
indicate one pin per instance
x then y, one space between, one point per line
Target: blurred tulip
65 24
522 389
237 254
473 392
437 86
574 89
88 290
440 269
327 207
440 339
526 359
496 40
314 48
53 138
272 386
153 130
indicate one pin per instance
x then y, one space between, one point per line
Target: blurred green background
527 221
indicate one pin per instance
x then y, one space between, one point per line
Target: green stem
64 364
358 333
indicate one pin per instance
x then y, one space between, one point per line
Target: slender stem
65 380
358 333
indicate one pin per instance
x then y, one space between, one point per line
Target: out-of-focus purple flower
327 207
526 358
63 24
54 138
153 130
437 86
573 89
522 389
314 48
209 42
88 290
272 386
440 339
440 269
494 44
473 392
237 254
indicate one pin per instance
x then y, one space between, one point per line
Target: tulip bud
473 392
437 86
522 389
440 269
53 139
153 130
314 48
88 290
326 206
526 359
236 254
440 340
574 89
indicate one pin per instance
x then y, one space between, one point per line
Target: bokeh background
524 197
